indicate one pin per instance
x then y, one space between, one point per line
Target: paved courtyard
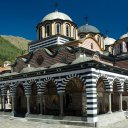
6 122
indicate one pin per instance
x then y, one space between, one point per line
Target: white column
8 97
110 103
61 104
28 105
13 109
120 102
3 99
1 103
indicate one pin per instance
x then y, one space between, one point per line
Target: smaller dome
88 28
56 15
109 41
124 36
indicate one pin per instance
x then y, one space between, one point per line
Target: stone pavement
121 124
7 122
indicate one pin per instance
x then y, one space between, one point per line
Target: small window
91 45
58 28
82 36
67 30
47 30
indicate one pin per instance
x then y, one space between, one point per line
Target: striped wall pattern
89 76
48 42
40 88
3 89
27 86
91 96
108 87
126 84
60 57
119 86
12 90
63 82
43 84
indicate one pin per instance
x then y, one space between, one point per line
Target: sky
20 17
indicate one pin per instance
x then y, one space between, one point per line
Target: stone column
61 104
28 105
3 99
13 104
110 103
120 102
40 104
1 103
84 107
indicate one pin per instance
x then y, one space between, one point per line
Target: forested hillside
8 51
19 42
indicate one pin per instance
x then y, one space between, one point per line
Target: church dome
56 15
124 36
88 28
109 41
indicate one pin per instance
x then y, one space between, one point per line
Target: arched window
118 49
47 30
67 30
58 28
99 39
121 50
40 33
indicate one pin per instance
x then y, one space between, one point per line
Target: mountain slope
19 42
8 51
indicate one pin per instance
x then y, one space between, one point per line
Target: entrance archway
115 98
51 99
20 101
73 97
102 97
33 99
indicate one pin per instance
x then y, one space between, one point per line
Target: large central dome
56 15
